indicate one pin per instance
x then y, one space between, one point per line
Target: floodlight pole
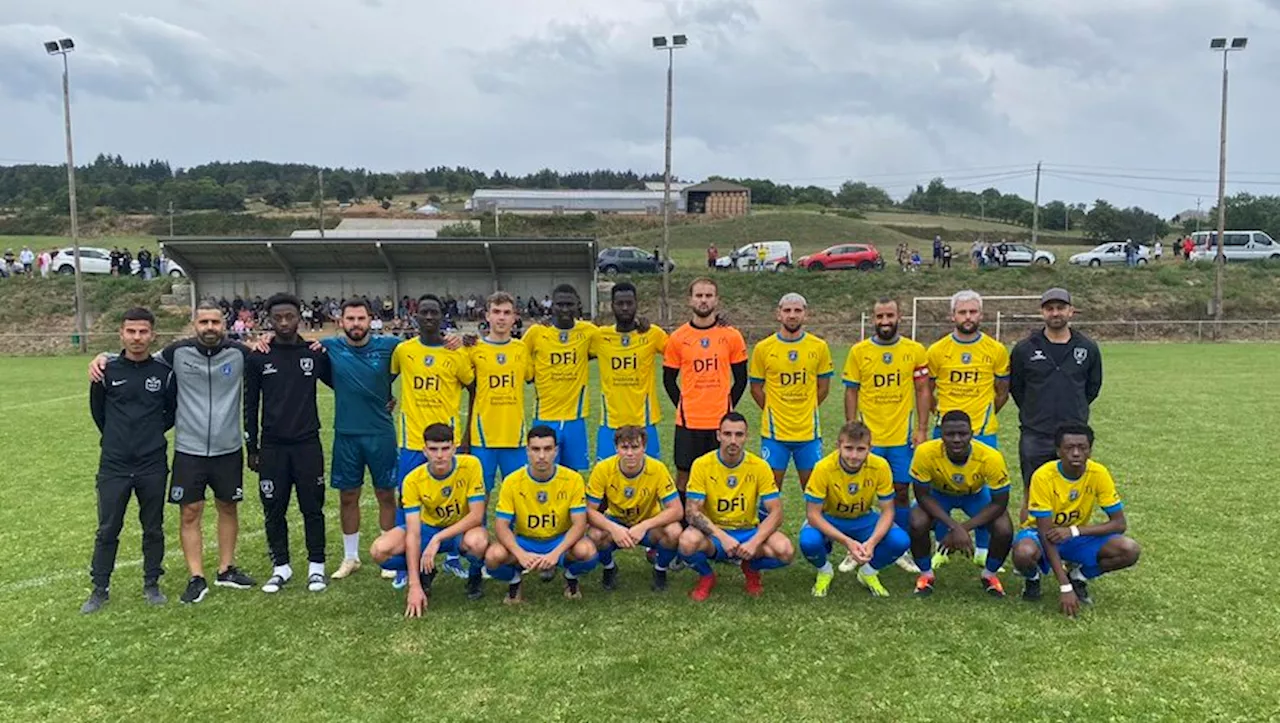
1220 258
669 45
63 47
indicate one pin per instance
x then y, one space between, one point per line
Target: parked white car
1236 246
1111 253
96 260
777 257
1024 255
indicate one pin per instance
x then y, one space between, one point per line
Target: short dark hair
732 417
855 431
541 431
630 433
139 313
431 297
353 303
956 415
282 298
622 287
703 280
437 432
498 298
208 305
565 289
1072 428
886 300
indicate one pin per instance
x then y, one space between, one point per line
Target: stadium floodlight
62 47
661 42
1219 45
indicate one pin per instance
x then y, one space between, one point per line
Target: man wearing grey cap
1056 373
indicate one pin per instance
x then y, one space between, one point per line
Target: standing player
444 513
643 507
282 382
727 487
704 373
1064 495
364 435
790 375
541 521
502 366
886 379
627 358
432 378
850 500
133 406
958 471
560 371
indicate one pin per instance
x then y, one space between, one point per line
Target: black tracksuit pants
114 490
1034 450
282 470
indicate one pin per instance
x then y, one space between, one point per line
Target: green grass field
1180 637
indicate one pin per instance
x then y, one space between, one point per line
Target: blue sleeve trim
995 490
758 380
673 496
695 495
1001 376
919 481
1041 514
1112 509
826 375
594 500
850 383
477 498
506 516
885 498
815 500
409 510
770 496
577 510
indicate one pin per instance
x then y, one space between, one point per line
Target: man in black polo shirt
1056 373
291 460
133 406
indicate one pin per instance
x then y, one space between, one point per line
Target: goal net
1007 318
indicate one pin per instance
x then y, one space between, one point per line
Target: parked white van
777 257
1236 246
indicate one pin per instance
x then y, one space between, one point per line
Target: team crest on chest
1081 354
705 343
226 370
625 340
965 358
887 357
429 361
152 384
793 355
1073 495
957 478
307 364
446 491
501 358
732 481
853 488
629 492
542 497
564 337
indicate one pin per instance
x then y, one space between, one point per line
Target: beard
886 332
355 334
967 327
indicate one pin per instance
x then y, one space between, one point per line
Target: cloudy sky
1116 97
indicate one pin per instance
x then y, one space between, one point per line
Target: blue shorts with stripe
541 547
605 447
779 454
451 546
972 504
899 459
499 459
571 442
1082 550
408 461
739 535
352 454
647 541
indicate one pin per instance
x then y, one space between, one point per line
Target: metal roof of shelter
716 187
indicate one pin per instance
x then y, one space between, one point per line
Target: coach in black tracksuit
1056 373
290 458
133 406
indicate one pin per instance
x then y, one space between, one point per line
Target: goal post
1000 315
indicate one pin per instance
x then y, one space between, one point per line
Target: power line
1084 179
901 174
1168 179
1158 170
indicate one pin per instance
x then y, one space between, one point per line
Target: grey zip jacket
210 381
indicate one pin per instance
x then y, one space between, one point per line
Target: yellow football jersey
628 378
790 371
984 468
560 369
542 510
849 495
1071 501
501 370
885 375
632 500
443 501
731 495
431 382
965 374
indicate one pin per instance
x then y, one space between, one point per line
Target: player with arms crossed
627 357
958 471
443 513
502 366
541 521
790 375
704 373
726 489
850 500
643 506
561 367
1064 496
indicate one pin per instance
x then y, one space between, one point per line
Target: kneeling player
959 472
1062 500
643 506
443 513
726 489
850 500
548 505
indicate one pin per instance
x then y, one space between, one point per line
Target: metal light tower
1220 45
63 47
670 45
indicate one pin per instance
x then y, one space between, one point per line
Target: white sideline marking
42 402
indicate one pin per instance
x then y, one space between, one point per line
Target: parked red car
863 257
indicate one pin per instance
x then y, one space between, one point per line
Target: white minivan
777 257
1236 246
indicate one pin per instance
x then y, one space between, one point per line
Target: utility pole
171 219
662 43
1220 259
1035 210
63 47
1197 213
320 174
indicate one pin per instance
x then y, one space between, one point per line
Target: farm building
517 200
718 198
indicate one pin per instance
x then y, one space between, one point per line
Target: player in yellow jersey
643 507
958 471
541 521
561 355
502 367
1064 496
886 380
790 375
444 513
726 489
850 500
627 358
970 370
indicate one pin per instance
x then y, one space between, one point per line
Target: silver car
1236 246
1024 255
1109 254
